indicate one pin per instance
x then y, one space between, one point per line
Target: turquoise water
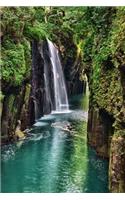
52 159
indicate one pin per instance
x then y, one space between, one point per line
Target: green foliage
19 26
38 31
13 63
117 44
14 20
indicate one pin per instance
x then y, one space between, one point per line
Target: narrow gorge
63 99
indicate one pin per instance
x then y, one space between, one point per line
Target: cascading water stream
60 93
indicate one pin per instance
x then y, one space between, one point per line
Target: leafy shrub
13 63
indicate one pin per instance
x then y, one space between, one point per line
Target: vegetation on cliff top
98 32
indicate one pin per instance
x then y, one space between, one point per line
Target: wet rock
15 107
117 164
99 131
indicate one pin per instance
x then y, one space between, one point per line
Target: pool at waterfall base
53 158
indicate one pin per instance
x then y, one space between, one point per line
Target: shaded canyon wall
106 122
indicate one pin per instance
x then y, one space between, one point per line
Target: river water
53 159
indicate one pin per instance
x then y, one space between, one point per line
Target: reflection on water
53 159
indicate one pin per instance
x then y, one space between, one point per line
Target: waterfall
60 93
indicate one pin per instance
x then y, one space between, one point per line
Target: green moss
27 93
117 44
11 99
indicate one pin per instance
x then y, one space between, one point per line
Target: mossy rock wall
105 69
15 107
107 120
117 164
100 131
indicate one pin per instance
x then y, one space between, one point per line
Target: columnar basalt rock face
37 84
72 73
106 123
117 164
14 105
49 103
99 131
24 115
